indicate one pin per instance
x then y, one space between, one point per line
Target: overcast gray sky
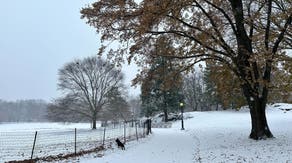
36 38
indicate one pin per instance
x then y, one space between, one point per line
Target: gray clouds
36 39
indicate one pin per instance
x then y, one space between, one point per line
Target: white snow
210 137
16 139
165 145
6 127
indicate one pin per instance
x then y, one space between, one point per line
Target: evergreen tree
210 96
161 89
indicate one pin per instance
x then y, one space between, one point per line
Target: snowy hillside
210 137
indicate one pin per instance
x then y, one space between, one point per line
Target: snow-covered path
164 144
210 137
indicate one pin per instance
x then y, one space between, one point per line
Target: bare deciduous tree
68 109
89 81
117 108
193 91
135 105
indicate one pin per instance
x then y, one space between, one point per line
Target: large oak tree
248 36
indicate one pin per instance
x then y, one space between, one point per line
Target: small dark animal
120 144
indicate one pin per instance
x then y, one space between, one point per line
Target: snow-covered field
16 139
209 137
6 127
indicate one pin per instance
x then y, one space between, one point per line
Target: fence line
28 145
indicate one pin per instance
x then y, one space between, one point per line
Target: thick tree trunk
93 124
260 128
94 120
259 125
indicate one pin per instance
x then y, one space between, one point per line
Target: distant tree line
215 87
206 88
23 111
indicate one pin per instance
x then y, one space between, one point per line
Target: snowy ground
210 137
17 139
10 127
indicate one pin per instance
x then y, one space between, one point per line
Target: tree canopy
88 82
247 36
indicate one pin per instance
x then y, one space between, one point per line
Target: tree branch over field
246 35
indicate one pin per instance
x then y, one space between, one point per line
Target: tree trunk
259 126
196 107
93 124
94 120
165 115
165 107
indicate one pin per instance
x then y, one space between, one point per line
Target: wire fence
29 145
